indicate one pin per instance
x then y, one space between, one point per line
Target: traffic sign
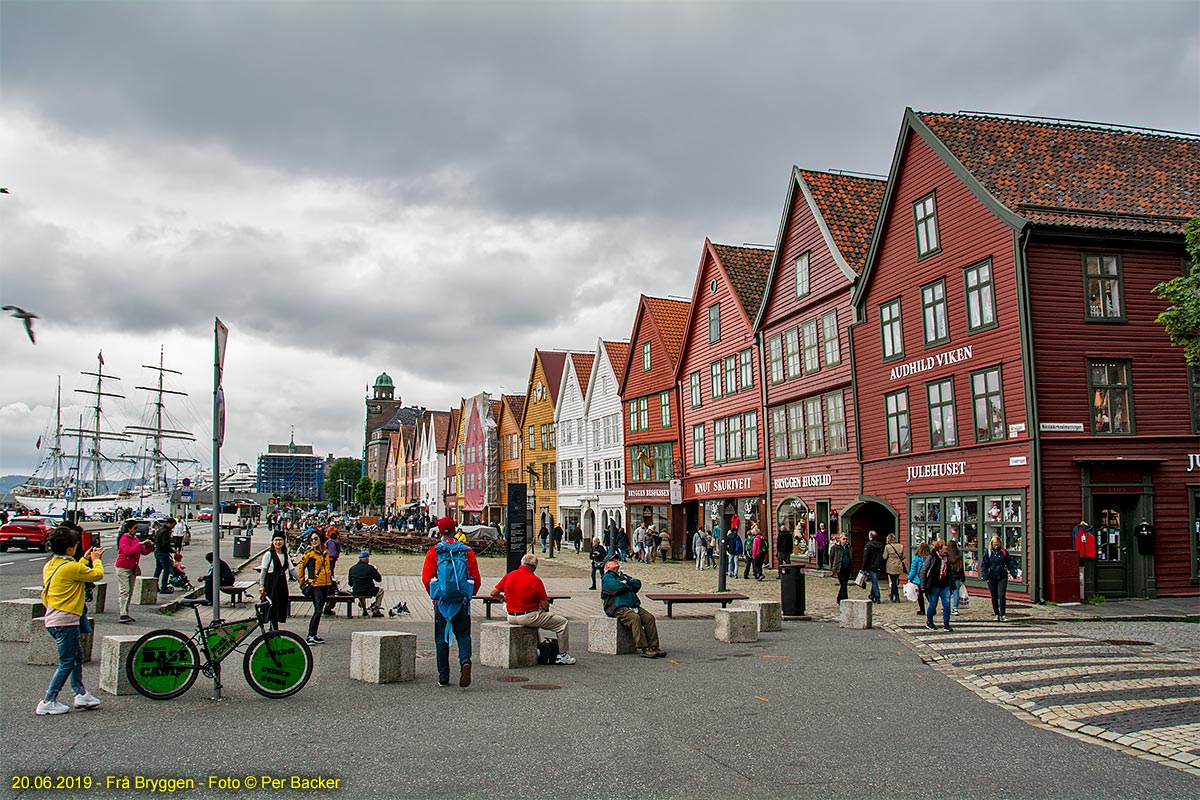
68 492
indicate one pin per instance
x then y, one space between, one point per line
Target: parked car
26 533
205 515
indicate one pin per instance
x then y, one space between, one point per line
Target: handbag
860 579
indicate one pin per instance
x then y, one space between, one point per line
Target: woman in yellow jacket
63 580
315 571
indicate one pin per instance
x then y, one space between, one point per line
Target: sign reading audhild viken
919 365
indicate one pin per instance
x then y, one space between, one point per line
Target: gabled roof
441 424
849 206
747 268
618 354
452 427
516 405
1079 176
553 362
670 317
582 362
496 411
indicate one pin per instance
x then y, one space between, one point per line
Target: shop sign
676 492
1018 461
1193 462
647 493
803 481
742 486
944 469
930 362
1060 427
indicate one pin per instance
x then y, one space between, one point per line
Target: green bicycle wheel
277 664
162 664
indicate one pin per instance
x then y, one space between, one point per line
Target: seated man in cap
619 593
363 577
525 598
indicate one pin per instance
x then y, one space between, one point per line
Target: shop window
719 455
750 433
802 287
698 445
714 323
1194 383
1111 393
731 374
775 357
812 347
664 409
1102 287
779 434
791 347
933 312
746 368
645 356
795 424
835 422
987 402
694 388
956 518
829 332
733 426
814 427
925 219
893 330
981 302
943 426
714 375
899 434
792 513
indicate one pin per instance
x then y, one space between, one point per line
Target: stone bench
16 618
506 646
608 636
736 625
856 614
383 656
145 591
43 648
769 613
114 650
99 595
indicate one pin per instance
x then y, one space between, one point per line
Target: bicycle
164 663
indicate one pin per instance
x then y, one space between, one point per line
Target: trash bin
241 546
791 590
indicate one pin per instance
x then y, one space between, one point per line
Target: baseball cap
446 525
364 554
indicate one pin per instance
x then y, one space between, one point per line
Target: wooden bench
238 590
348 599
489 601
670 598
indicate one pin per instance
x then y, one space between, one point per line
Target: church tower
381 407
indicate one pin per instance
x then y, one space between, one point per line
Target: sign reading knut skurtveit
734 486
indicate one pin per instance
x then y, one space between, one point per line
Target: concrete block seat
608 636
383 656
856 614
506 646
769 613
17 616
114 650
736 625
43 649
145 591
99 595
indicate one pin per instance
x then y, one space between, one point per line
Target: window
981 303
812 348
714 376
578 472
546 475
530 445
971 520
731 374
802 275
987 400
943 426
791 346
664 409
1111 393
775 357
813 426
835 422
698 445
633 416
933 311
643 405
829 332
1194 375
746 365
553 473
896 409
714 323
893 331
694 387
645 356
553 435
1102 286
733 426
925 218
545 432
719 441
596 431
750 434
596 475
795 426
779 434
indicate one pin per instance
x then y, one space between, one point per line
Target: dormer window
925 218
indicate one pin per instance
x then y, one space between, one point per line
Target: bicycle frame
217 640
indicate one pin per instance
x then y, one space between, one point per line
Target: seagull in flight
25 316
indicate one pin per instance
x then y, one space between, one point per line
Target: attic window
712 285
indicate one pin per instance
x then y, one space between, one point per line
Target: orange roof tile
516 405
618 354
850 207
583 369
748 269
670 316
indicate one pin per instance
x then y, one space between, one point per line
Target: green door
1119 569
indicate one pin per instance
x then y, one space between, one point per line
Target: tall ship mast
157 461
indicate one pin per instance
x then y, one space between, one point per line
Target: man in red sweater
451 576
525 598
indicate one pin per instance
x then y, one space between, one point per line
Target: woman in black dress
273 577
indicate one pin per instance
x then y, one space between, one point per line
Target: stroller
179 576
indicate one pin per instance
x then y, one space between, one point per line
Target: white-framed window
791 347
750 434
731 374
746 367
812 348
933 312
734 432
893 329
835 422
925 219
795 426
775 357
814 426
779 434
802 287
829 332
981 298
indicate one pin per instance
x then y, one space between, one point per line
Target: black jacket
784 542
363 577
873 556
598 554
162 539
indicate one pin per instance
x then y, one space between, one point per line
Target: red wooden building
650 415
803 329
721 398
1010 378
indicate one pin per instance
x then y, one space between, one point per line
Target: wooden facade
512 412
541 396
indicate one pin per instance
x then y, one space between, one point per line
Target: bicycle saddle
192 602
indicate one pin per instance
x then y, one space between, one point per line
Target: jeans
749 560
164 565
460 624
939 593
700 558
596 568
999 591
621 554
821 553
954 595
70 660
894 592
733 565
319 594
758 566
874 594
843 577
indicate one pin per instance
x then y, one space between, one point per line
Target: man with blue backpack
451 576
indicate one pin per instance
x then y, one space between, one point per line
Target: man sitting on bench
224 574
363 577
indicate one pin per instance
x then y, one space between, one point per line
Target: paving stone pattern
1141 699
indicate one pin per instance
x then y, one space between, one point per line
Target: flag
39 443
100 357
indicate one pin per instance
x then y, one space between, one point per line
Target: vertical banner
518 531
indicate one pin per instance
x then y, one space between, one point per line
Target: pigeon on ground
25 317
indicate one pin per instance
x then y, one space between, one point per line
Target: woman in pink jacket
130 550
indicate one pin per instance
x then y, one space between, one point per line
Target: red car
205 515
24 532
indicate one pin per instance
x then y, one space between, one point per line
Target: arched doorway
868 514
589 525
793 513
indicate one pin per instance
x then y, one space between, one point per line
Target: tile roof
583 369
452 428
516 404
441 424
496 411
671 318
748 269
552 367
618 354
850 207
1078 175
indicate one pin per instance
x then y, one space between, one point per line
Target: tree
1182 317
346 469
378 494
362 493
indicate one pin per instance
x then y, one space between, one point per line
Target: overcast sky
433 190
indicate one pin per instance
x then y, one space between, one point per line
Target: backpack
453 584
735 544
547 651
610 603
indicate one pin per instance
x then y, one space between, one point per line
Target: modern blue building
292 469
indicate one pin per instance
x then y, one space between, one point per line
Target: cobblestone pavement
1132 686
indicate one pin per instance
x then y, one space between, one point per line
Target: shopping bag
911 590
860 579
964 599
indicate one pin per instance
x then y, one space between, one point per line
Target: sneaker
947 629
45 707
443 684
929 627
125 619
315 640
464 679
955 611
1003 618
87 700
565 658
375 612
167 590
647 653
391 612
329 612
660 653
